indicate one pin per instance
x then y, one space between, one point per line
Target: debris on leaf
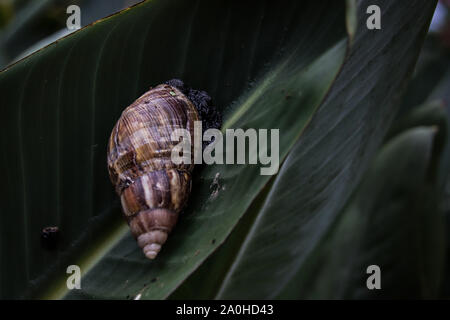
215 187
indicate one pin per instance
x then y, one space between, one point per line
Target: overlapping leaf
61 103
392 222
267 66
323 169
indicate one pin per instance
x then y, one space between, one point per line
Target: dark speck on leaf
153 280
213 241
50 237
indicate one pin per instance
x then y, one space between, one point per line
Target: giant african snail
152 189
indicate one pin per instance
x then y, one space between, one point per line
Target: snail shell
152 189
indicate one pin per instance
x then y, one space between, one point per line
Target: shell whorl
152 189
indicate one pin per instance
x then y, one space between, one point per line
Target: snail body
152 189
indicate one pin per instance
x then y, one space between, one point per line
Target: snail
152 189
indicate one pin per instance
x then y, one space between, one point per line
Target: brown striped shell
152 189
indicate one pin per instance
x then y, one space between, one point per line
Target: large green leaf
392 222
435 70
431 76
90 12
430 85
266 258
266 65
38 19
18 34
428 95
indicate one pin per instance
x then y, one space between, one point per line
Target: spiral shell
152 189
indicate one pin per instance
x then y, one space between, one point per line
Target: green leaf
432 113
266 65
392 222
266 258
39 22
431 82
14 37
431 76
430 87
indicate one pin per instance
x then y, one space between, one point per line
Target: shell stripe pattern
152 189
